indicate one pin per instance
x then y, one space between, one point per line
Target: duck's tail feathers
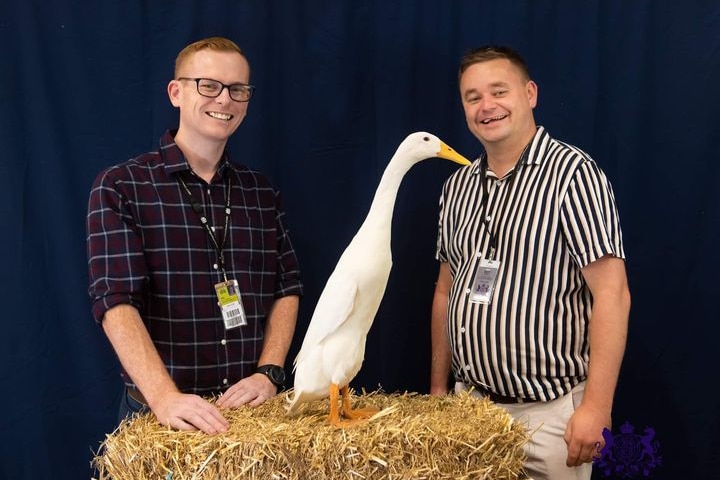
293 404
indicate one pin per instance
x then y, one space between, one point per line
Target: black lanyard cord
198 209
485 195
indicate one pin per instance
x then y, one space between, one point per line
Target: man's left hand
253 391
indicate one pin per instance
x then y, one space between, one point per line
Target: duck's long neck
383 204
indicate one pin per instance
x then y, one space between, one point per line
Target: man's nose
487 104
224 96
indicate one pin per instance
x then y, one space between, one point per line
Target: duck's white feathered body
334 346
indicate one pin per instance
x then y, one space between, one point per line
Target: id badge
483 284
228 294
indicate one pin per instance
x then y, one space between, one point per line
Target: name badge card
483 284
228 294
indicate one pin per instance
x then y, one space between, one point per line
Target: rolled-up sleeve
288 275
116 265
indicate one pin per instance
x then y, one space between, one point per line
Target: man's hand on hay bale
252 391
191 412
184 411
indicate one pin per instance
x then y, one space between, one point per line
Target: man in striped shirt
192 273
531 303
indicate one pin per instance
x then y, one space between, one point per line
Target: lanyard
485 193
197 208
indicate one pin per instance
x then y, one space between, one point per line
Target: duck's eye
427 139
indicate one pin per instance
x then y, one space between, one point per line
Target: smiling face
498 101
203 118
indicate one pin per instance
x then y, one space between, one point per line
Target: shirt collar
538 147
175 160
532 155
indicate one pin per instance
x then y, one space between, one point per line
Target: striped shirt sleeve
589 217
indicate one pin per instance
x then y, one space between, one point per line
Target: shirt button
223 342
224 381
488 218
215 266
462 330
467 291
212 228
467 367
498 183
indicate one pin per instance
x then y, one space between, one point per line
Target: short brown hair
218 44
493 52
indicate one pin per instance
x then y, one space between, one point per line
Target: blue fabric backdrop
339 85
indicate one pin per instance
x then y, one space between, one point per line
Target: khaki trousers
547 451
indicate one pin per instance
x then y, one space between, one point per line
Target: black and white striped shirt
552 215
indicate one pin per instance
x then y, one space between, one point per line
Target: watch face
277 375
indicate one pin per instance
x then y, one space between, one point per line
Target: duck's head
422 145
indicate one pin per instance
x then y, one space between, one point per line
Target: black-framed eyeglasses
207 87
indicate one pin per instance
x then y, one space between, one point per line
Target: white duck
334 346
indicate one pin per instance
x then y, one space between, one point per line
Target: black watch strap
275 373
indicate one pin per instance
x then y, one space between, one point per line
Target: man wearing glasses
193 276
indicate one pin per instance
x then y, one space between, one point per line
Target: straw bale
412 437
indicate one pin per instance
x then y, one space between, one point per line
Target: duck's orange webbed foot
346 416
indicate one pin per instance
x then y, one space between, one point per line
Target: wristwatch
275 373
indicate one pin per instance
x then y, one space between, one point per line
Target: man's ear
173 90
532 92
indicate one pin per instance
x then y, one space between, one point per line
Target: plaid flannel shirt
148 248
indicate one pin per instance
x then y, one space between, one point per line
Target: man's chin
223 132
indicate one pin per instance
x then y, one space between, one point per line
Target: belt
135 394
497 398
